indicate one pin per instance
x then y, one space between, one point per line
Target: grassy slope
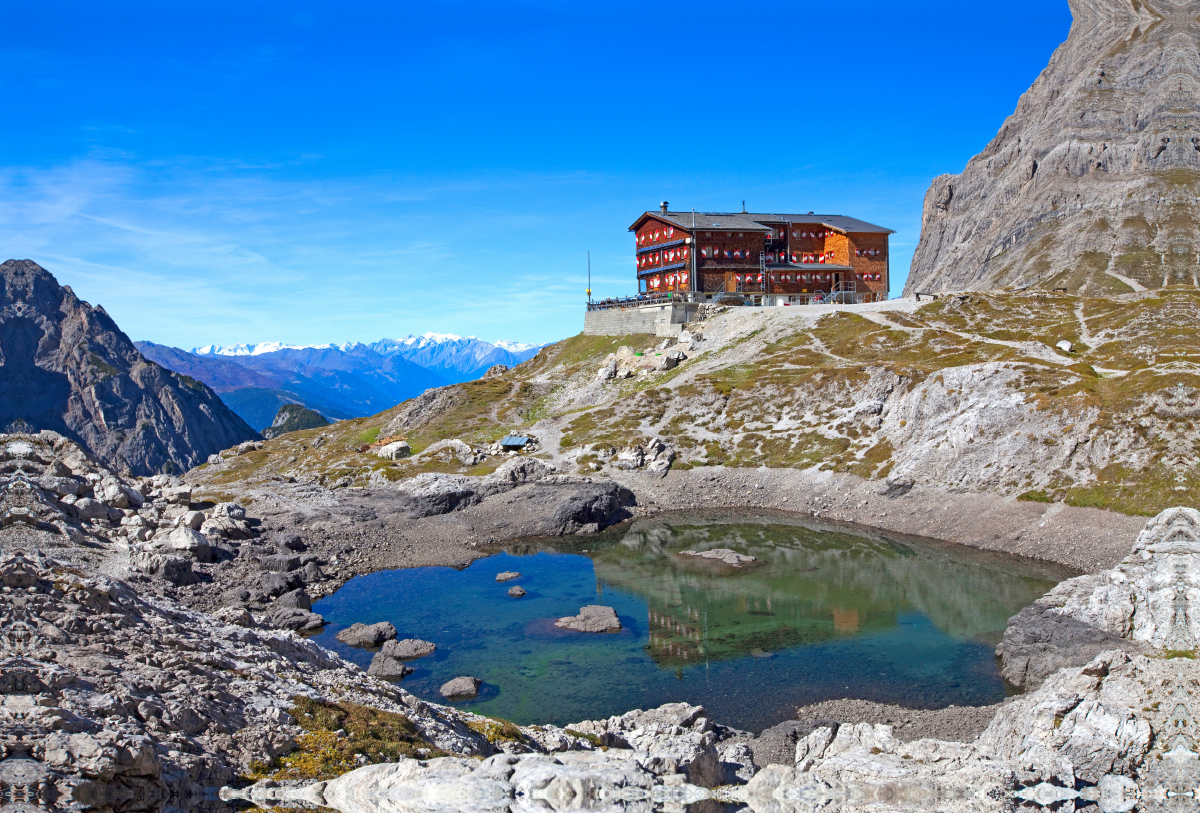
785 396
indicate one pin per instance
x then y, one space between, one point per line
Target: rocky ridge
1091 183
65 366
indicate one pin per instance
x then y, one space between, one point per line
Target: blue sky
317 171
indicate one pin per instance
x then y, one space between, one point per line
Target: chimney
664 207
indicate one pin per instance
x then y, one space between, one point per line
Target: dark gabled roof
704 220
839 222
753 221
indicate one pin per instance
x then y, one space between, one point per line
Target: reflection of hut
672 641
513 443
845 621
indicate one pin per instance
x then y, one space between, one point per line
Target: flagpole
589 288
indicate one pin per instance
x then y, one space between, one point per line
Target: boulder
276 584
461 687
1133 607
296 619
186 542
292 542
228 510
367 635
593 618
178 495
408 649
385 666
396 450
516 591
88 508
174 569
238 616
280 562
60 486
677 737
192 519
507 575
298 599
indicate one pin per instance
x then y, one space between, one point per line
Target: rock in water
516 591
461 687
725 555
293 418
367 634
69 368
1094 172
507 575
385 666
593 618
408 648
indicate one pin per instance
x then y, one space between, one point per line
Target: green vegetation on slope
1111 422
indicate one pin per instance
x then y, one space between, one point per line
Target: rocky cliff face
66 366
1092 183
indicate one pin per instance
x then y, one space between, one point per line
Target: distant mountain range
340 381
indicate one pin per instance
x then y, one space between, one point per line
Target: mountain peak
67 367
1091 183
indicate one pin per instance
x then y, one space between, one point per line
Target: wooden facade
778 256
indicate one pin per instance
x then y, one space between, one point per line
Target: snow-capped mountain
456 358
256 349
344 380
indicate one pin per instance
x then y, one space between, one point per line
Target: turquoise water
823 614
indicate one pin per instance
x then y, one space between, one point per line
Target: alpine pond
822 612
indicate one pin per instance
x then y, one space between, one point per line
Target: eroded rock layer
1092 182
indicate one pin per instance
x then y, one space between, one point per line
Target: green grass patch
371 734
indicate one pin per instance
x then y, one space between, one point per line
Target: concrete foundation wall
659 320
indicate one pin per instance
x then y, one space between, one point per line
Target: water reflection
822 613
809 585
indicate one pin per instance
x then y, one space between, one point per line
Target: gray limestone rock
593 618
408 649
295 618
174 569
1134 607
1072 192
367 635
461 687
294 598
516 591
387 667
280 563
507 575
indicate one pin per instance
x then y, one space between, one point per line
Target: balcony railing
639 301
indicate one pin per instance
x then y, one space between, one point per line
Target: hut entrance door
730 283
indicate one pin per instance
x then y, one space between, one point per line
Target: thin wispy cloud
188 254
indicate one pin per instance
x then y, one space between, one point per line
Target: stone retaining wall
660 320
